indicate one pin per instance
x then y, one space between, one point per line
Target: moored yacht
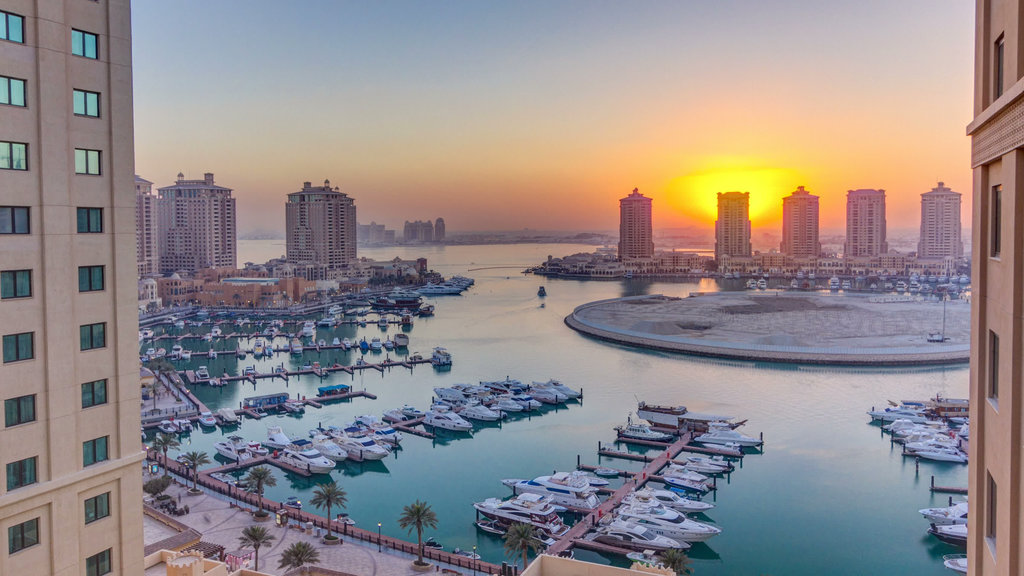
359 448
666 498
640 431
441 357
955 514
667 522
533 509
624 534
564 488
276 438
557 387
442 417
304 457
328 448
378 430
723 435
235 448
477 411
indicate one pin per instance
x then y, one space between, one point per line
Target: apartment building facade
732 228
196 223
636 234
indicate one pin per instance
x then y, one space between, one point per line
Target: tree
418 515
521 538
676 560
254 537
328 495
156 486
194 460
163 443
298 555
256 479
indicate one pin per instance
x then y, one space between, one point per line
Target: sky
542 114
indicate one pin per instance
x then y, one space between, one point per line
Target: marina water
828 495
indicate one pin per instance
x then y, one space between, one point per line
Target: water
829 494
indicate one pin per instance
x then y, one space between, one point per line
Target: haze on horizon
504 115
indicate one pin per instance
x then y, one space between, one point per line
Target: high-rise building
418 231
439 230
940 224
995 477
865 223
800 225
70 457
196 219
636 236
320 224
732 229
146 244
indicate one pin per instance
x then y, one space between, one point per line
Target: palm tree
254 537
256 479
327 495
194 460
521 538
163 443
418 515
298 555
676 560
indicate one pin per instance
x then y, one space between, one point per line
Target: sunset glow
695 195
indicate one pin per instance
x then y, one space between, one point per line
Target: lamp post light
378 537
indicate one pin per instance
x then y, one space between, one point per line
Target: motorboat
955 514
762 284
296 346
394 415
293 406
431 543
380 431
506 386
293 502
227 416
548 395
564 488
526 401
441 357
624 534
955 562
647 558
389 344
533 509
477 411
235 448
505 403
168 427
443 417
401 340
240 354
257 349
606 472
308 328
723 435
346 343
211 354
668 499
833 284
412 412
175 352
382 322
913 412
145 334
203 373
668 522
451 395
491 527
276 438
641 431
207 420
955 534
216 332
705 467
593 480
430 289
304 457
336 341
326 322
359 448
711 462
685 482
558 387
328 448
939 454
466 553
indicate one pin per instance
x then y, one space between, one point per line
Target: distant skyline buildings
147 251
423 231
196 223
636 230
800 225
732 228
320 228
865 223
940 224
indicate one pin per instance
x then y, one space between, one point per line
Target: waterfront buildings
70 458
995 479
732 228
374 233
800 225
940 224
146 244
439 230
865 223
196 219
420 232
320 224
636 237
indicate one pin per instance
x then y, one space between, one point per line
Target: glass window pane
10 348
6 285
99 335
76 43
80 165
3 26
14 29
83 220
5 90
83 336
100 392
83 279
6 218
25 346
97 277
19 156
20 221
18 92
5 155
91 46
79 102
96 220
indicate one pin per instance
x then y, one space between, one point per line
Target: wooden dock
946 489
408 427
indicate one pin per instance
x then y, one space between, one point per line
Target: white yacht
641 431
401 340
441 357
235 448
709 462
378 430
955 534
430 289
308 328
207 420
955 562
722 435
564 488
450 395
326 322
667 522
533 509
477 411
412 412
227 416
203 373
913 412
276 438
548 395
526 401
375 344
505 403
955 514
328 448
668 499
939 454
346 343
360 448
557 387
442 417
630 535
175 352
304 457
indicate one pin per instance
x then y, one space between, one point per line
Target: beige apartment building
996 524
732 229
940 225
70 459
865 223
196 223
800 225
146 244
320 227
636 235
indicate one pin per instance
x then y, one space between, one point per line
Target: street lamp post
378 537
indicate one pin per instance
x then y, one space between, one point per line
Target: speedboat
168 427
667 522
308 328
276 438
412 412
955 534
379 430
526 401
336 342
913 412
955 514
668 499
360 448
305 457
328 448
564 488
296 346
375 344
533 509
939 454
293 502
478 411
451 395
175 352
206 419
257 349
235 448
709 462
641 431
506 386
557 387
685 482
505 403
624 534
442 417
346 343
548 395
955 562
723 435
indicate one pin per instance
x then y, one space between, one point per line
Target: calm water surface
828 495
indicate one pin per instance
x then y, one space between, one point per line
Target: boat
382 322
321 343
441 357
564 488
846 285
751 284
557 387
375 344
335 310
364 345
466 553
389 344
359 448
938 454
168 427
442 417
206 419
901 286
711 461
235 448
328 448
276 438
684 482
431 289
668 499
394 415
293 502
762 284
378 430
202 373
450 395
227 416
526 401
346 343
427 310
955 562
912 411
667 522
491 527
296 346
533 509
606 472
257 349
431 543
412 412
624 534
336 342
646 557
304 457
308 328
641 431
548 395
175 352
477 411
505 403
542 292
955 534
326 322
239 353
955 514
294 406
724 435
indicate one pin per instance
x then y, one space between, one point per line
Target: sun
696 194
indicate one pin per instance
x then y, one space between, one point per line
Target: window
13 156
19 410
991 515
90 278
87 103
87 162
12 91
993 365
21 473
998 62
21 536
85 44
12 27
18 347
90 220
15 284
94 451
13 220
996 223
99 564
94 393
93 336
97 507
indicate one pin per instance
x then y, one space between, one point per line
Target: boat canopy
331 390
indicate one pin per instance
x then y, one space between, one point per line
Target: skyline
416 110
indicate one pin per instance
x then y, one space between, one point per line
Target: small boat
227 416
442 417
206 419
955 534
431 543
646 557
293 502
668 499
491 527
168 427
441 357
955 562
203 373
276 438
542 292
389 344
466 553
240 354
382 322
606 472
641 431
364 345
336 342
955 514
412 412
